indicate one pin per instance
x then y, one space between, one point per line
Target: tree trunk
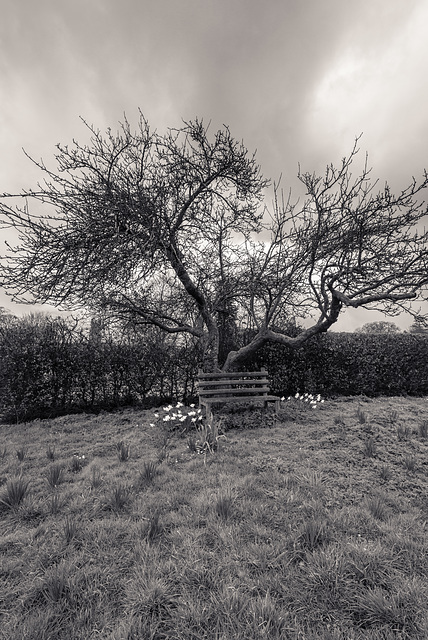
210 347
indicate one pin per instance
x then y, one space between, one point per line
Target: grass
308 526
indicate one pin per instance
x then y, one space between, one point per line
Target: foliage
348 364
378 327
170 231
122 451
419 326
52 366
15 492
55 475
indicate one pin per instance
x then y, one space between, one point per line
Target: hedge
49 369
348 364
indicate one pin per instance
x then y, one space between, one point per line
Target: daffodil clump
306 398
180 417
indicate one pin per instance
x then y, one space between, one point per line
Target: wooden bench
236 386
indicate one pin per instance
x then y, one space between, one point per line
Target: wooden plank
208 376
224 383
247 390
219 400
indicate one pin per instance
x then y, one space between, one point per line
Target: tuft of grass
122 451
377 607
150 598
15 492
392 416
118 498
50 453
313 534
339 420
207 437
163 451
403 433
369 448
70 529
223 505
423 429
149 472
191 443
152 529
55 584
377 507
96 479
55 475
385 472
21 453
361 416
410 464
3 453
56 504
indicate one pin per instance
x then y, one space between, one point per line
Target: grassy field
306 525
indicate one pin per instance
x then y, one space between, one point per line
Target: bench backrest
236 383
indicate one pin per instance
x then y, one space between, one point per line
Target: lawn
306 525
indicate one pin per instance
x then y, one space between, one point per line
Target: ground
307 524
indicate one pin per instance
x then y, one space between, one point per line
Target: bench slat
236 391
220 399
208 376
224 383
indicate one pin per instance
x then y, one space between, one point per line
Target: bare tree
171 231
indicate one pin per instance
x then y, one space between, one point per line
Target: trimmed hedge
348 364
48 368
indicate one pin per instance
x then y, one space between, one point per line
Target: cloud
296 80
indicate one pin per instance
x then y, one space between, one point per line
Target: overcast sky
297 80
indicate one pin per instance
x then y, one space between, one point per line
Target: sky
296 80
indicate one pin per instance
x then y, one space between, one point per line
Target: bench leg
208 412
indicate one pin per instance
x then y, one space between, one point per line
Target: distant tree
378 327
170 230
419 326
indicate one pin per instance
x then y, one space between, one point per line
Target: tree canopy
173 231
381 326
